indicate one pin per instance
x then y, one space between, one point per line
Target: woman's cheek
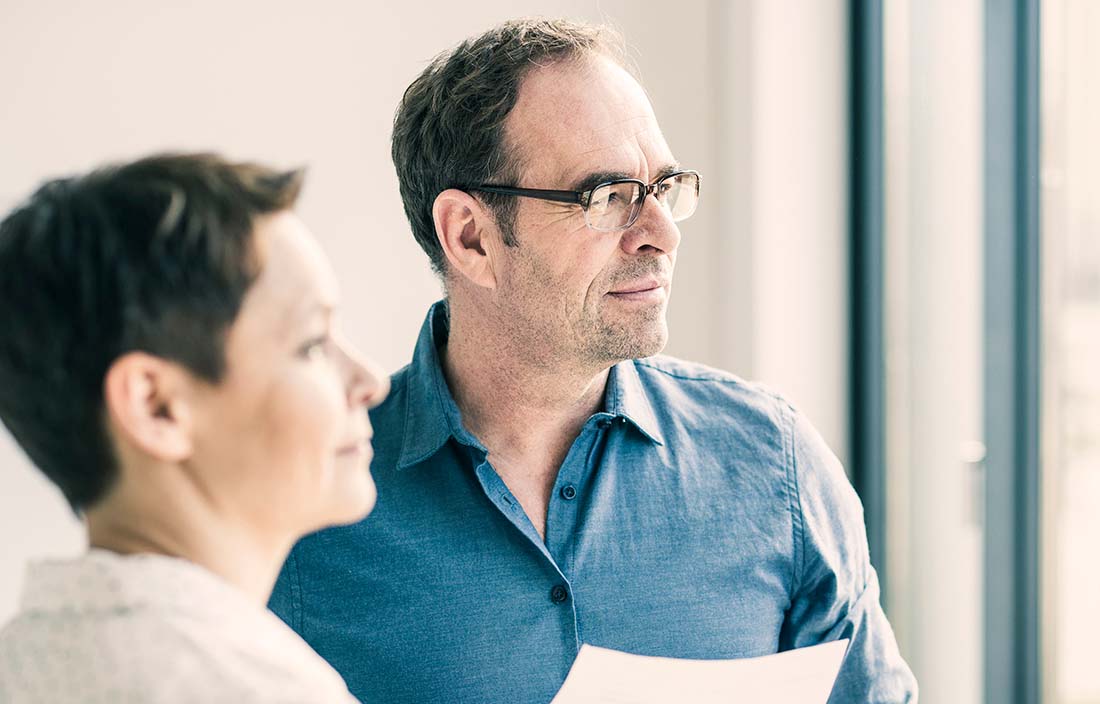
324 403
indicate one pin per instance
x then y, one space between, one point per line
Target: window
933 330
1070 191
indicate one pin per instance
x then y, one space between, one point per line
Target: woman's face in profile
285 434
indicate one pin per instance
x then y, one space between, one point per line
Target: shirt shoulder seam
712 376
798 527
717 377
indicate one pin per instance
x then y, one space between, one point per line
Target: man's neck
177 522
516 403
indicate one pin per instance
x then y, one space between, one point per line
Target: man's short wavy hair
449 128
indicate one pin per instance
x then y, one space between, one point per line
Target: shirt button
568 492
559 594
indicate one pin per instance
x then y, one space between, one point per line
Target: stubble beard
606 341
594 335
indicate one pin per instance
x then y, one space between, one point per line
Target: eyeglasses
615 205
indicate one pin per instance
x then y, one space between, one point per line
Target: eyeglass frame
583 198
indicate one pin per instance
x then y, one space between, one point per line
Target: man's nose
653 229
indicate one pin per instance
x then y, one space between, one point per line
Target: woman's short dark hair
154 255
449 128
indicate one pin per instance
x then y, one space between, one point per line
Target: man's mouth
650 289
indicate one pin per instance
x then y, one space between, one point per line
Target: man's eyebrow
595 178
666 170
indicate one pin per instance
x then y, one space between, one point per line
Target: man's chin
634 344
650 348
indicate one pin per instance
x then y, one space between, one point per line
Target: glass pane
1070 182
933 276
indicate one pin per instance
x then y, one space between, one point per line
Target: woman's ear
463 226
147 402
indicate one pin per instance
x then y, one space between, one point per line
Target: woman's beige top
147 628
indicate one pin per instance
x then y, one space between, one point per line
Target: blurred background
899 231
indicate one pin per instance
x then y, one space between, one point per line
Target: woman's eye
316 348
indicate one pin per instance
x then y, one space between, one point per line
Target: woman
172 360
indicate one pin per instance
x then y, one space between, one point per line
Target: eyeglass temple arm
541 194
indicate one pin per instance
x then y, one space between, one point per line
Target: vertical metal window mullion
867 429
1012 247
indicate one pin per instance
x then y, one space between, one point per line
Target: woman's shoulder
95 639
156 657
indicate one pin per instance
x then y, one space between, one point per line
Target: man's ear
464 227
148 405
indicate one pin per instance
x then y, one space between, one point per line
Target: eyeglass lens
614 206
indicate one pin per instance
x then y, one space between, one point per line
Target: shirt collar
432 416
626 397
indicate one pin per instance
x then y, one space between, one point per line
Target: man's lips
639 287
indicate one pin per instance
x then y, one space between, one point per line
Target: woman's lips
359 447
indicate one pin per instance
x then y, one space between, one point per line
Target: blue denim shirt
697 516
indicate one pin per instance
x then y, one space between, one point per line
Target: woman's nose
368 384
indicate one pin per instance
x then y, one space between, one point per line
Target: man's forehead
573 118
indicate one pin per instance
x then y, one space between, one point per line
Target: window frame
1012 353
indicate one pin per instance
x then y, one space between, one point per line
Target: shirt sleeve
835 591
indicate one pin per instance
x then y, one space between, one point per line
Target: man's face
589 296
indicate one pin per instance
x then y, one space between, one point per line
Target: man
543 480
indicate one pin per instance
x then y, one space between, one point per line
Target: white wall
783 186
754 99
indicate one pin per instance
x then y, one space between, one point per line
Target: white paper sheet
802 676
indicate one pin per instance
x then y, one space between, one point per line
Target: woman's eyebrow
308 310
